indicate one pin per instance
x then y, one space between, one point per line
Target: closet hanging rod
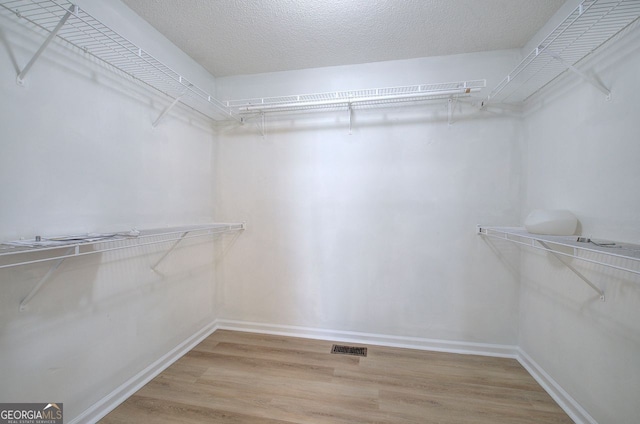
370 97
356 100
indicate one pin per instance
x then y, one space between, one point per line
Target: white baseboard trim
562 398
120 394
469 348
108 403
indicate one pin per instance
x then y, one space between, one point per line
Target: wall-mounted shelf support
350 119
173 246
22 75
620 251
168 109
572 268
451 104
586 78
37 287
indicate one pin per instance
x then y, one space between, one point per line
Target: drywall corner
562 398
101 408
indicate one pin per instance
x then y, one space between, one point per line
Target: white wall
370 232
375 231
78 154
582 154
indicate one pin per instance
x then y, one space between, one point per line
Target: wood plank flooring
235 377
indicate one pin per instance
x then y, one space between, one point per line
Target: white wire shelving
620 256
73 25
57 249
63 247
587 28
356 99
371 97
66 21
344 100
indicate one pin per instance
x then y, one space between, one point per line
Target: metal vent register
349 350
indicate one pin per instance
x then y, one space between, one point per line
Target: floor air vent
349 350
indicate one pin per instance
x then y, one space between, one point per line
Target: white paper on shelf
83 237
33 243
62 240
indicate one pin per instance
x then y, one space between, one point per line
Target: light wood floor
235 377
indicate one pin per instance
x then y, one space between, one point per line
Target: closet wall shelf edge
17 253
58 249
599 252
587 28
73 25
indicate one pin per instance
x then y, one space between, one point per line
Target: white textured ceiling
233 37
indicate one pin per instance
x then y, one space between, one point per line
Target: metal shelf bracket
20 79
263 125
37 287
173 246
182 236
451 104
167 109
575 271
587 78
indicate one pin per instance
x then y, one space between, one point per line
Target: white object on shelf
581 248
586 29
551 222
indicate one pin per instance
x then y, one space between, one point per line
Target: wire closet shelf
81 30
22 252
364 98
66 21
620 256
587 28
